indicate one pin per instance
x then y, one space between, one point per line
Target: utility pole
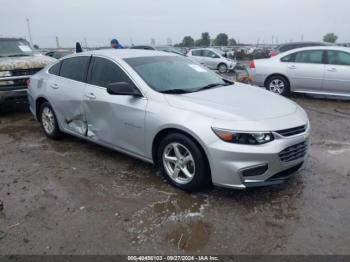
86 46
57 42
29 32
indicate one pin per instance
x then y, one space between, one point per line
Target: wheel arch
38 103
169 130
280 75
221 63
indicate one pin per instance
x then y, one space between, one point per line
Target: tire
222 68
49 121
278 85
195 164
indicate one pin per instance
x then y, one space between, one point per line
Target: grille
292 131
294 152
17 84
25 72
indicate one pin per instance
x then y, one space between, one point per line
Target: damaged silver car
17 63
165 109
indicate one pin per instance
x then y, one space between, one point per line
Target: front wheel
278 85
222 68
183 163
49 121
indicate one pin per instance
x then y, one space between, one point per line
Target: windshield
173 73
15 47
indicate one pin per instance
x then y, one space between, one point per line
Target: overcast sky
138 21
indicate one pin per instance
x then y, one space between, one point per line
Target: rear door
66 93
115 120
306 71
211 59
337 73
197 56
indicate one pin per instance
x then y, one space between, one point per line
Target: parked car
290 46
17 63
57 54
317 70
260 53
168 49
212 58
165 109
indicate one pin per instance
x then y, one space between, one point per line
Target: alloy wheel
179 163
277 86
48 120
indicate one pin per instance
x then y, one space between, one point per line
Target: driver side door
114 120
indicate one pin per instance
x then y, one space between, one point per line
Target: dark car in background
169 49
290 46
59 53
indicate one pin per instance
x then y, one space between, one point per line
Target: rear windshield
14 47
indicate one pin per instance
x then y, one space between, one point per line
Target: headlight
5 73
252 138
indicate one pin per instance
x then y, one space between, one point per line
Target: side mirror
123 88
224 55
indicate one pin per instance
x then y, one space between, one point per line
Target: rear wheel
49 121
278 85
222 68
183 163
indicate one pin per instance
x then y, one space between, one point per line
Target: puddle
190 237
178 220
336 152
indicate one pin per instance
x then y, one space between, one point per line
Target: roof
336 48
306 42
129 53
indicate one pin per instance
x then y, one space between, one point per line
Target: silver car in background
212 58
316 70
167 110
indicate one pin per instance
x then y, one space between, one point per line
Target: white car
212 58
317 70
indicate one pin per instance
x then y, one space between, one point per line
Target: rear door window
309 57
338 58
197 52
105 72
288 58
210 54
55 69
75 68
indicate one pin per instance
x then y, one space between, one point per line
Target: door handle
292 67
91 96
332 70
54 86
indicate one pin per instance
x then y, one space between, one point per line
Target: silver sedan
316 70
167 110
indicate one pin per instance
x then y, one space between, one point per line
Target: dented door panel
116 120
67 100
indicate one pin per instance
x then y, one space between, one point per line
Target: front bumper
17 95
229 162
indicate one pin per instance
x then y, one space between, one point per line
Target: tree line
223 39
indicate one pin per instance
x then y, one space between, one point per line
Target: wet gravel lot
74 197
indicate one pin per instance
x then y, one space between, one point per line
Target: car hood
238 102
24 62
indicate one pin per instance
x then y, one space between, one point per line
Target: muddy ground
73 197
